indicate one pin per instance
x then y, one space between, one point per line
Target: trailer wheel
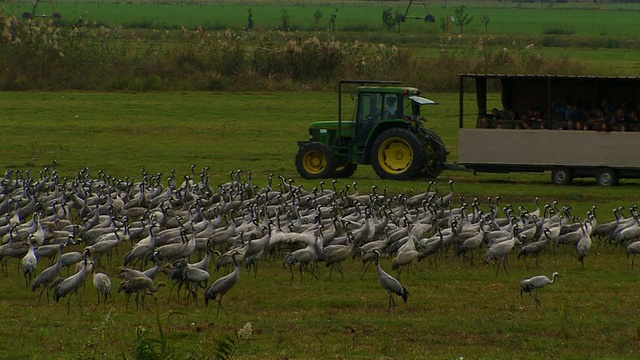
27 15
561 176
315 161
397 154
606 177
344 170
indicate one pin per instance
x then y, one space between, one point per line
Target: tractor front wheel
397 154
315 161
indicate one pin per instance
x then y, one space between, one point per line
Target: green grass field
363 16
455 310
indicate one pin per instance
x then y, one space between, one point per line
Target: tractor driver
391 108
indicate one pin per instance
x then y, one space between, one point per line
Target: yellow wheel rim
395 155
314 162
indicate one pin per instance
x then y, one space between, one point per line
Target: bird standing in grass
102 282
532 285
222 285
391 284
72 284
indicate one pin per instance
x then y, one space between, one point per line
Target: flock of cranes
183 228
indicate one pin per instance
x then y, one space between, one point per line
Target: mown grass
455 310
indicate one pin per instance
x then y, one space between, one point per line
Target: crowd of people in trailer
605 117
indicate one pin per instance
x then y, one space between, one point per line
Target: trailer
498 141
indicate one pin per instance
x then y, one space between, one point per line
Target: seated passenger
569 125
526 123
484 123
625 127
495 114
619 117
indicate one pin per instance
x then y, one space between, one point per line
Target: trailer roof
547 76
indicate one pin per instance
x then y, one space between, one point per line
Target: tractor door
368 114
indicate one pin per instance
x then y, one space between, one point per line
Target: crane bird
72 284
500 251
139 285
220 287
633 249
47 276
102 282
390 283
29 262
532 285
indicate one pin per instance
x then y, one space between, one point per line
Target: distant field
586 19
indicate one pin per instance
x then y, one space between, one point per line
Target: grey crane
72 284
390 283
141 285
532 285
633 249
221 286
499 252
303 257
102 283
584 244
46 277
334 255
534 249
29 262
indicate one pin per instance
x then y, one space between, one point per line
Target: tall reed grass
42 54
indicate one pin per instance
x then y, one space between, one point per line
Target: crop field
455 309
585 19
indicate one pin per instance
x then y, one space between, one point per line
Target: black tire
315 161
561 175
606 177
397 154
56 16
345 170
435 155
27 15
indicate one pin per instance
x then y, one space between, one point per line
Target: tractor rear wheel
397 154
315 161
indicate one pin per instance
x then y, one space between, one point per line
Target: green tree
284 18
317 15
462 18
250 23
485 21
388 19
332 21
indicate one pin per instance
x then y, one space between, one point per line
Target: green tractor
387 132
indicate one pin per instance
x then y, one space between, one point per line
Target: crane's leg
45 287
525 263
300 268
340 270
330 271
537 266
632 261
504 265
365 269
69 305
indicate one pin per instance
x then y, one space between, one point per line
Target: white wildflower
246 331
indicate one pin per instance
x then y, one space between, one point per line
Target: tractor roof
390 89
